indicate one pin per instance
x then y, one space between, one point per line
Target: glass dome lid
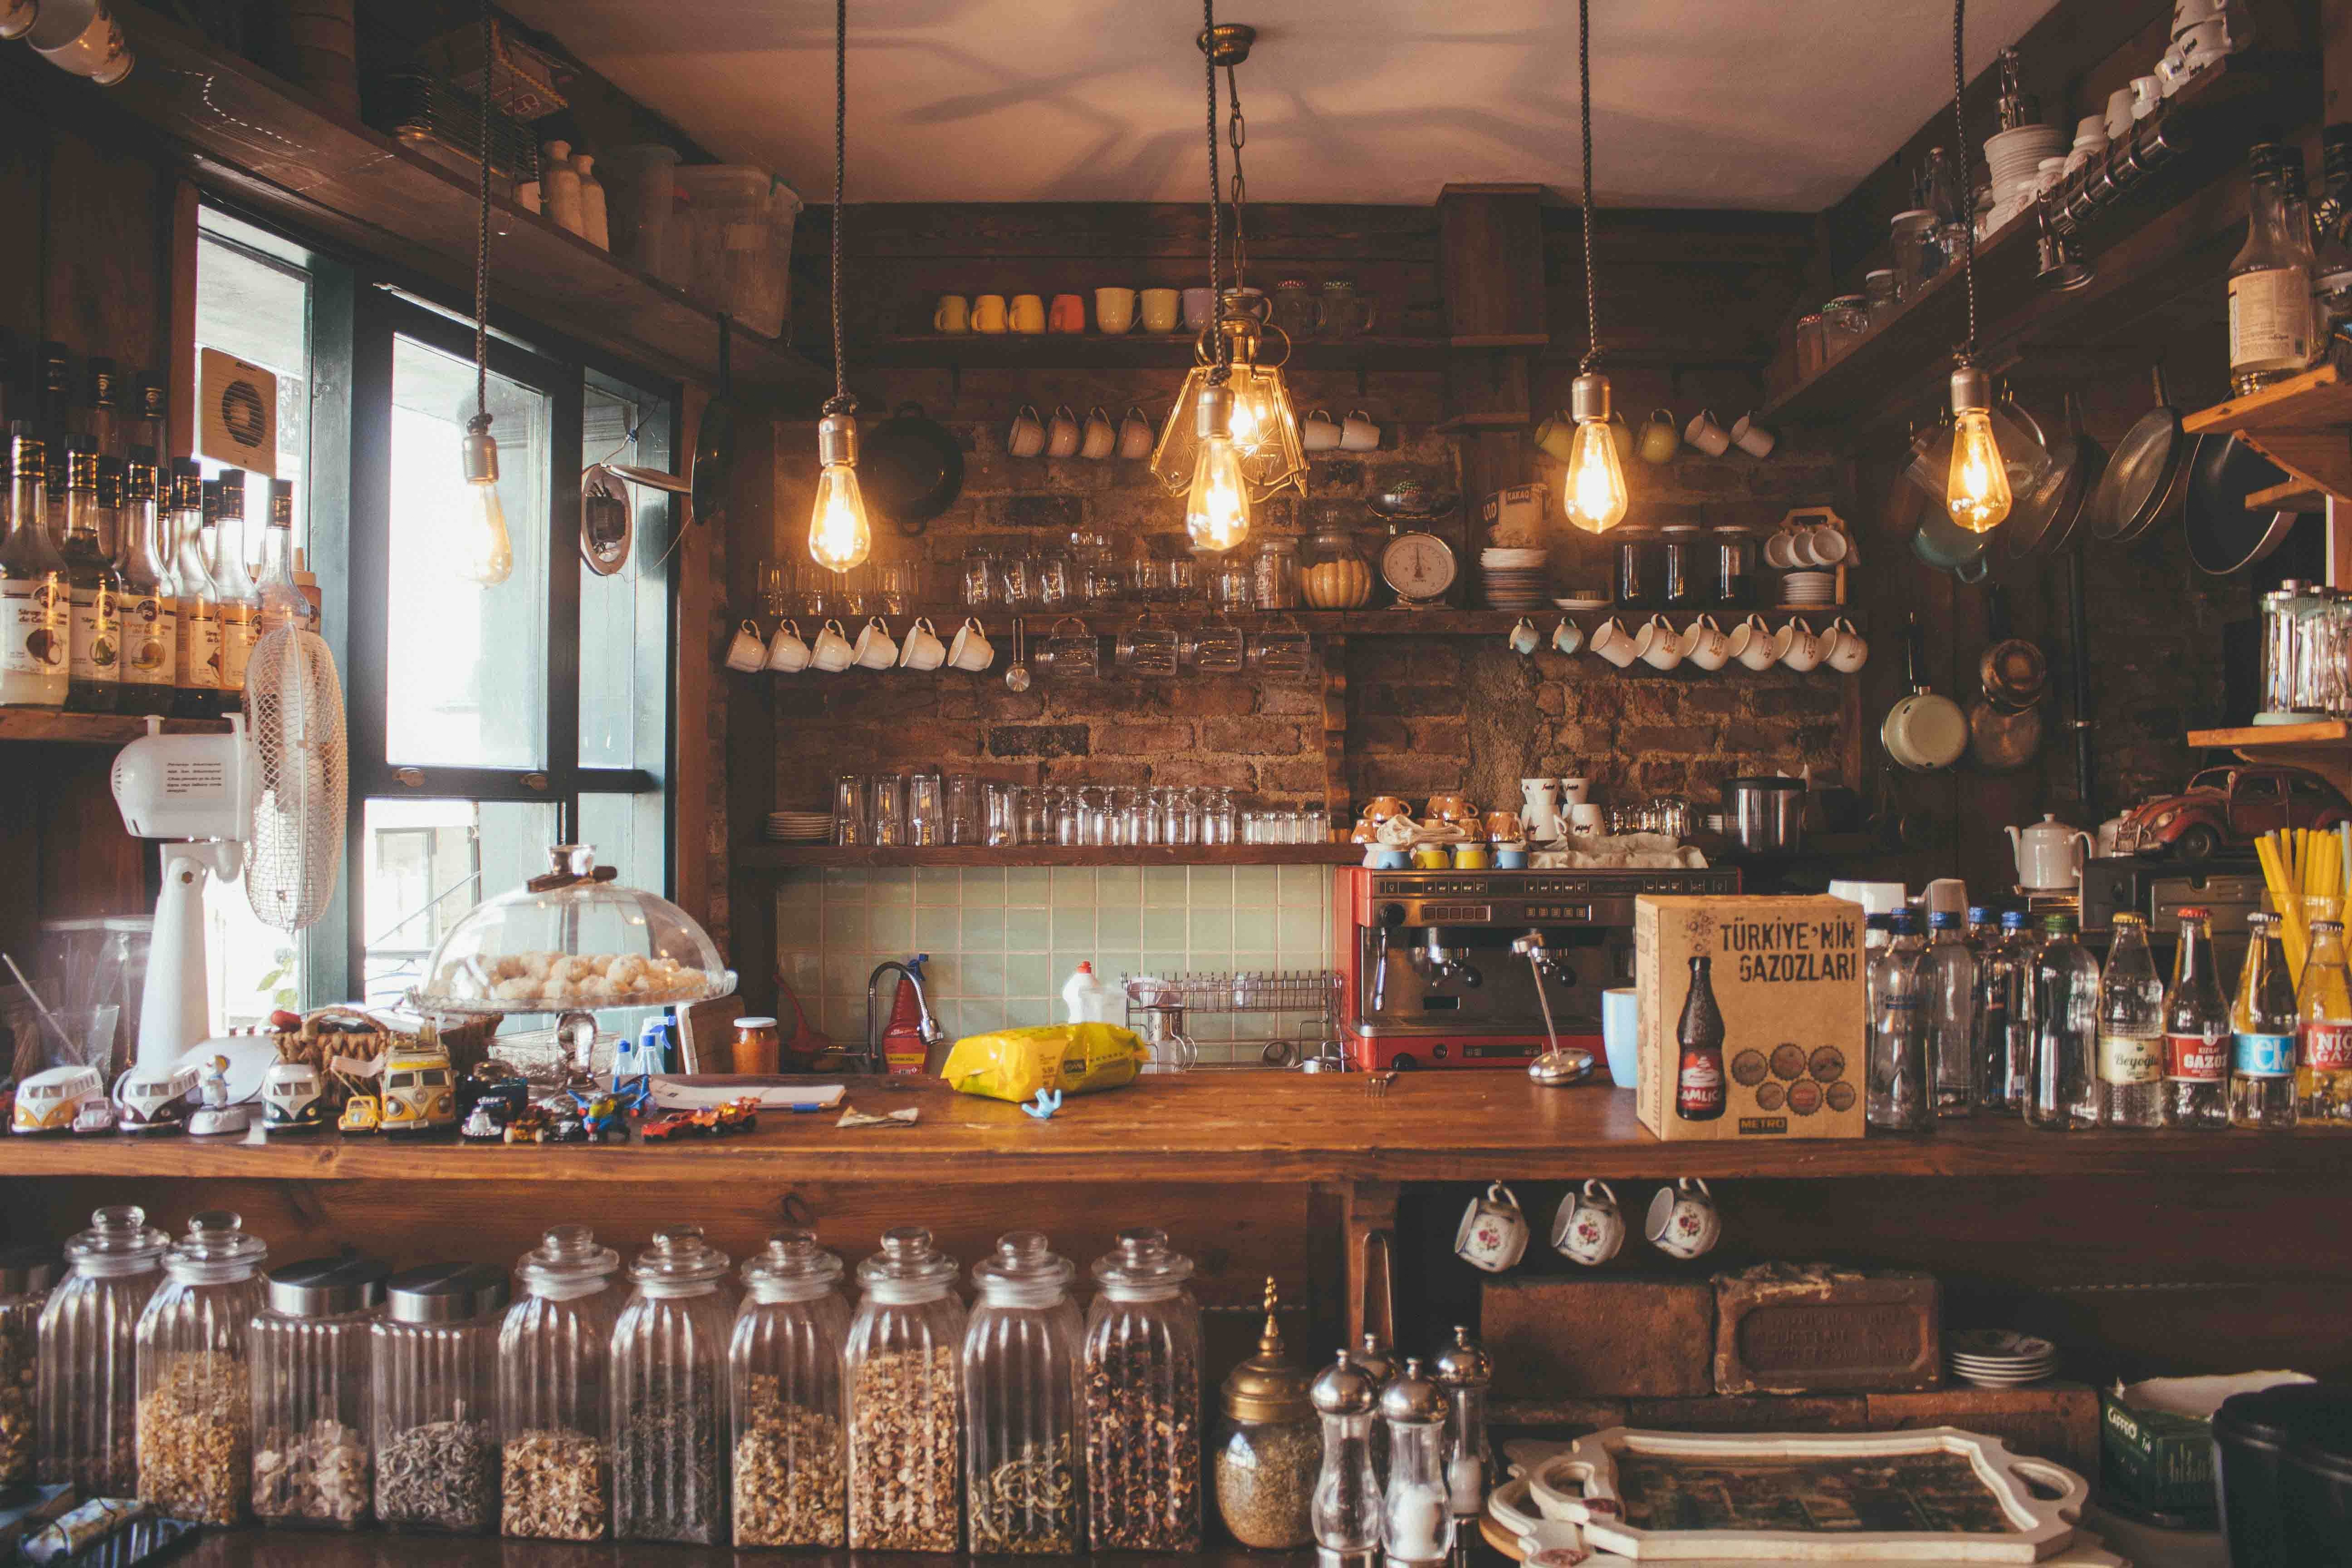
574 939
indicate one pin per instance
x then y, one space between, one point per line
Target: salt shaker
1345 1511
1463 1370
1417 1524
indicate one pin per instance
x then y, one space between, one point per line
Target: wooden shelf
1445 622
2304 424
1255 1126
765 856
2325 747
251 1548
1157 350
271 146
93 729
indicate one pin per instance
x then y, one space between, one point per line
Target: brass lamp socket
481 449
1227 43
836 439
1588 399
1971 389
1216 416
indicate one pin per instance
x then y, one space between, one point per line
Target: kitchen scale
1418 566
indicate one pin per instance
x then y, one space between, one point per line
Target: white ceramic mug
1525 638
1062 433
877 648
1358 433
1705 435
1683 1220
1027 437
1493 1235
1589 1227
1751 438
1575 790
2119 113
2147 92
1100 440
1780 548
1540 808
1567 636
1750 643
1114 311
1803 648
1319 432
1613 642
923 649
788 653
1585 819
1821 547
971 651
1200 309
1706 643
1658 645
1134 435
1849 650
831 652
746 652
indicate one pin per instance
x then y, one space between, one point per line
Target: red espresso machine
1429 979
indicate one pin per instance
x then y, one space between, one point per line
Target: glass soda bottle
2323 1072
2270 279
151 623
2263 1024
1948 980
1902 1099
2063 1089
240 601
2131 1031
2196 1031
2000 1026
36 601
1698 1081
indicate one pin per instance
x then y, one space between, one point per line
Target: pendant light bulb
484 549
1217 508
1595 498
1976 487
839 535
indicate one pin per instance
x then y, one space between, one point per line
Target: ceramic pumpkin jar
1337 576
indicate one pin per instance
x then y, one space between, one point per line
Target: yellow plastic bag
1015 1064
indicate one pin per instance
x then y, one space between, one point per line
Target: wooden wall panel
105 286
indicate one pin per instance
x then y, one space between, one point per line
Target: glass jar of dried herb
670 1419
26 1273
555 1346
311 1445
89 1393
196 1399
1142 1372
905 1438
1268 1446
1021 1371
784 1376
430 1358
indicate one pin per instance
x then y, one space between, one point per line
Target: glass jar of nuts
195 1397
1142 1371
430 1359
1020 1355
669 1415
25 1275
310 1443
555 1346
784 1376
904 1399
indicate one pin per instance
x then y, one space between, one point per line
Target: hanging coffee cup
1589 1227
877 648
1705 435
1134 435
1524 639
1100 439
1493 1235
746 652
1659 440
788 653
1566 637
1026 438
831 652
971 650
1062 433
1684 1221
1319 432
922 648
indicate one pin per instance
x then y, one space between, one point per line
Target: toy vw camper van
293 1098
148 1101
420 1092
50 1100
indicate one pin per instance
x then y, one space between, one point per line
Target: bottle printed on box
1698 1081
95 651
2262 1056
2197 1058
2131 1058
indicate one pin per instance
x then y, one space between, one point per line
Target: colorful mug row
1117 311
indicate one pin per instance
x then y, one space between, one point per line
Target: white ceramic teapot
2049 854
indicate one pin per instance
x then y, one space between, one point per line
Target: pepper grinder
1417 1516
1346 1508
1373 1358
1464 1372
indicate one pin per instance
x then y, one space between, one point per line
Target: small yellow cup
1028 313
988 313
953 314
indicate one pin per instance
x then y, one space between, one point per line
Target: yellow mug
1028 313
1159 310
988 313
1432 858
953 314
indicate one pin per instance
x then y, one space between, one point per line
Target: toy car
150 1101
293 1099
50 1100
362 1114
2231 805
566 1126
674 1126
491 1079
529 1125
486 1124
419 1095
95 1116
741 1114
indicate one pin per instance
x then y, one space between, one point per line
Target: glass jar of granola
196 1398
783 1377
905 1437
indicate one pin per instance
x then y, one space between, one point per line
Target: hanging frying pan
2074 465
911 469
2143 467
1924 732
2223 535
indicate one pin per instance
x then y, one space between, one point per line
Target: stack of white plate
1998 1358
2015 156
1515 579
800 827
1813 590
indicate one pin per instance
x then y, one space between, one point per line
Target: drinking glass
979 582
1183 824
1066 814
1310 823
1217 816
1003 816
965 810
925 818
887 809
893 584
1094 818
849 818
1151 811
1284 652
1036 815
816 589
1053 580
1126 817
1184 581
774 587
1017 581
1216 649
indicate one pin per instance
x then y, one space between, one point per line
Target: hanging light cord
1236 133
841 402
1968 354
1216 192
482 243
1584 94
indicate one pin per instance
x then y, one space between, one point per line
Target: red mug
1069 314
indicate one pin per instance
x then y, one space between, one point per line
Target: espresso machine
1430 978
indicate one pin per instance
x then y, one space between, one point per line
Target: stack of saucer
800 827
1998 1358
2014 159
1809 590
1515 579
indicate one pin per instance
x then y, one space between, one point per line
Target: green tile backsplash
1003 938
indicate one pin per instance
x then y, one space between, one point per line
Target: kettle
2048 857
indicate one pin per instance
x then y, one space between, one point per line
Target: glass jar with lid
430 1356
310 1468
1268 1446
1735 566
1812 348
1020 1361
1275 573
1682 571
1844 321
554 1354
669 1416
905 1385
1640 569
1417 1525
27 1275
89 1398
196 1398
1142 1371
783 1378
1336 576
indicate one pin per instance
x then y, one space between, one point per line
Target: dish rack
1159 1005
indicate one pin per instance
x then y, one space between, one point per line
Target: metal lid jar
430 1358
784 1376
1021 1369
554 1354
26 1274
88 1385
310 1358
1684 572
195 1402
1268 1445
1142 1372
1336 576
670 1352
901 1365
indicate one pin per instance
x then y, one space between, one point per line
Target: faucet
927 1026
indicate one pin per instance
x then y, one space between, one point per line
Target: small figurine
362 1114
150 1101
216 1116
50 1100
418 1094
1049 1101
486 1124
293 1098
602 1116
96 1115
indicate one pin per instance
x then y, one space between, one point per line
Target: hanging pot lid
911 469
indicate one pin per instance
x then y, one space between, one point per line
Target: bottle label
2197 1058
2328 1048
2270 316
2131 1058
1699 1090
34 613
239 630
97 642
2262 1056
151 640
200 647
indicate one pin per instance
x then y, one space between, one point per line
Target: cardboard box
1787 974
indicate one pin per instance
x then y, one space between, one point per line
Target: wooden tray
1812 1497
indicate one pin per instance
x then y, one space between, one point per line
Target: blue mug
1510 859
1386 859
1620 1035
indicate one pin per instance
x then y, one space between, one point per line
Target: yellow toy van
419 1092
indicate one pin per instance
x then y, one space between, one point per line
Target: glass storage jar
1337 576
555 1347
196 1401
1735 567
1021 1358
88 1396
1844 321
1639 570
1142 1372
1268 1447
783 1379
669 1422
1682 572
26 1274
1275 574
1812 348
310 1468
429 1358
1346 1510
904 1435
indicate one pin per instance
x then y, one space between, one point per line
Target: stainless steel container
1767 814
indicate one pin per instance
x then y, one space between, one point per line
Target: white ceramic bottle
593 225
560 189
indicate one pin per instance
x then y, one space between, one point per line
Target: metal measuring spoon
1016 675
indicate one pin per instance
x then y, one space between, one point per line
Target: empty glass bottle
783 1374
905 1437
1948 1004
1021 1370
310 1441
2063 1089
555 1349
26 1274
669 1413
2263 1024
431 1357
1143 1399
1346 1510
2323 1072
89 1400
196 1399
2131 1031
2001 1023
2196 1032
1901 1097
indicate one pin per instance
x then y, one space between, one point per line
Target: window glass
430 861
256 306
625 619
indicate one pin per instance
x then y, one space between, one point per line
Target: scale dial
1419 567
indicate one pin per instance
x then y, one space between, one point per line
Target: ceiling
1775 105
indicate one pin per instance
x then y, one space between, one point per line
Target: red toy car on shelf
673 1126
2231 805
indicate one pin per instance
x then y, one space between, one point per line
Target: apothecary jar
1142 1378
431 1358
310 1356
901 1367
669 1415
89 1395
784 1376
555 1347
27 1275
196 1398
1021 1359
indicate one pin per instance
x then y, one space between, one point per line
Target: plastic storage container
555 1347
2267 1507
669 1418
88 1395
1142 1372
196 1399
740 236
310 1438
905 1448
783 1374
1022 1490
27 1275
430 1358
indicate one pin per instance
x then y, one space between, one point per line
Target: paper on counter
709 1090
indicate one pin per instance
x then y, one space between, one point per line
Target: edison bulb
1596 497
839 535
1976 489
1217 511
482 549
